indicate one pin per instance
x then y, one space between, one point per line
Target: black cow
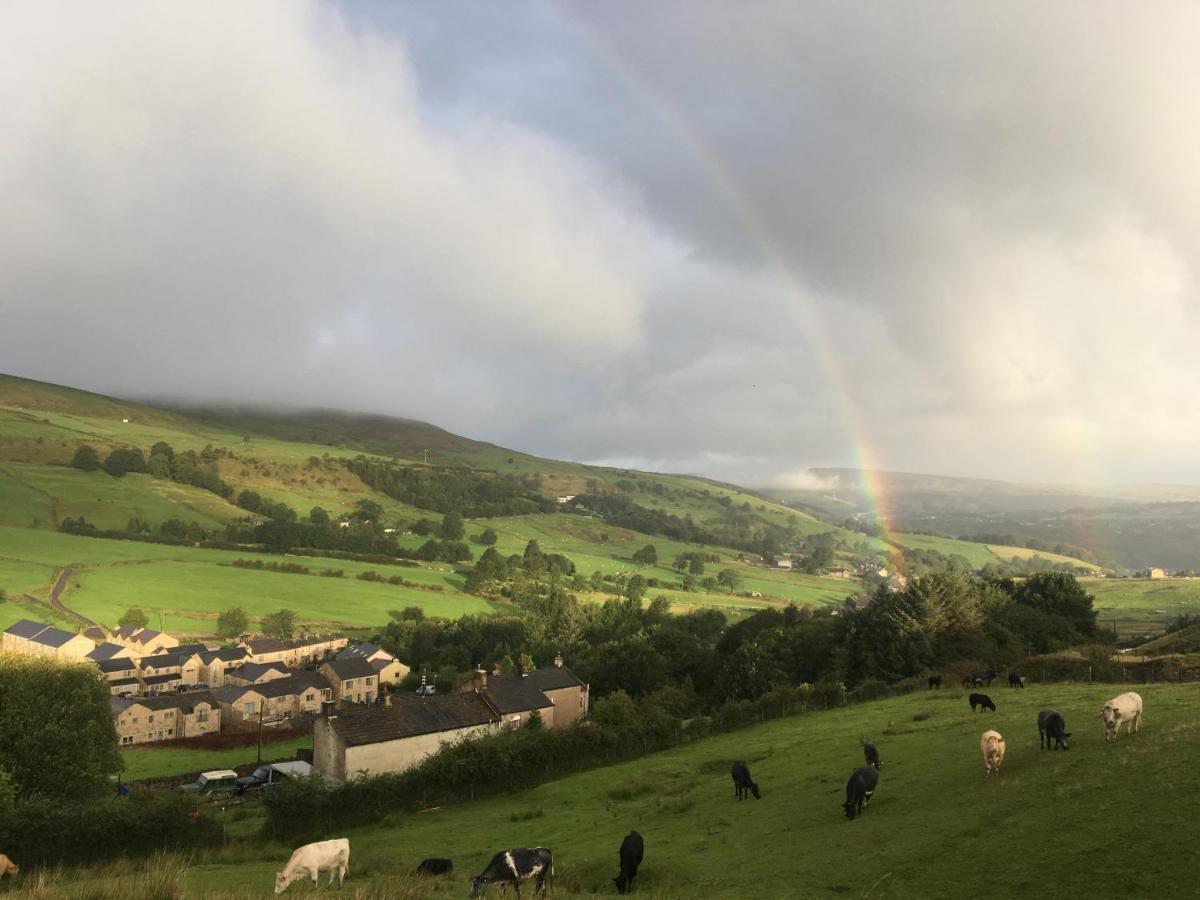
979 679
859 789
513 867
1016 680
871 752
434 866
632 851
742 784
1051 727
981 700
935 681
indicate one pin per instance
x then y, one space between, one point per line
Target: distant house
95 634
141 720
39 639
215 663
149 641
565 498
353 680
256 673
182 661
409 727
783 563
389 670
282 698
293 653
1155 573
121 673
108 650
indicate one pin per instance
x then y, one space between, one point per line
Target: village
347 693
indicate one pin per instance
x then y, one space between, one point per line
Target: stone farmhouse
409 727
292 653
297 694
353 680
388 669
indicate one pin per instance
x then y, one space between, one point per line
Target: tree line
464 491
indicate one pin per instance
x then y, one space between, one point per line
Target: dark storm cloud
739 239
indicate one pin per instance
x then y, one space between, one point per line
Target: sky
740 240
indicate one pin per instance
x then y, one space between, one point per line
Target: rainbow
755 227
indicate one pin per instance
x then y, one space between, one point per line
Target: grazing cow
435 866
7 866
992 747
312 859
1052 728
742 785
981 700
1015 680
1123 710
513 867
935 681
632 851
859 789
979 679
871 752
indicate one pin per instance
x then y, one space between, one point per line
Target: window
127 739
348 686
169 714
202 714
308 698
249 709
328 693
150 719
170 731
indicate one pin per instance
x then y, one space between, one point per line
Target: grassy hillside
1073 822
979 555
1143 605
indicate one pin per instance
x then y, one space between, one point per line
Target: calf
513 867
859 789
991 745
434 866
632 851
871 752
1015 680
7 866
981 678
742 785
935 681
1123 710
981 700
312 859
1052 728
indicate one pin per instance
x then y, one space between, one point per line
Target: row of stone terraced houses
175 691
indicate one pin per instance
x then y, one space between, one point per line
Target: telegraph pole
260 718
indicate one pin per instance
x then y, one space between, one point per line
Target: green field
1141 604
980 555
1104 819
157 762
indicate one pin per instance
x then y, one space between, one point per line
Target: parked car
272 773
213 784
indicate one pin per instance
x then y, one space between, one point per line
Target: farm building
409 727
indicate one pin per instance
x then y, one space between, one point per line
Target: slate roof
361 650
225 654
122 682
298 683
116 664
161 679
162 661
274 645
126 631
553 678
409 716
146 635
351 668
185 702
107 651
255 671
380 664
514 694
95 633
25 628
52 637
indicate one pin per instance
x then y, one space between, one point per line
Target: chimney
479 678
497 669
327 708
558 660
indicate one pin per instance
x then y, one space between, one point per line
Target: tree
423 527
250 501
535 721
64 750
159 466
635 588
696 565
162 448
134 617
281 624
366 511
647 556
232 622
123 460
488 537
728 578
86 459
318 516
452 526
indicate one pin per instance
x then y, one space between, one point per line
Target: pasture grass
938 827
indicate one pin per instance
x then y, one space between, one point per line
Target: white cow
991 744
312 859
1125 709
